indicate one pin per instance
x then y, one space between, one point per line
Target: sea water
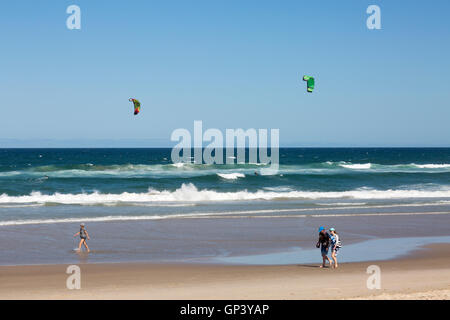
63 187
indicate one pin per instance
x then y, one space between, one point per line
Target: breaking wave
231 176
190 193
187 170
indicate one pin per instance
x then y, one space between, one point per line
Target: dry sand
424 275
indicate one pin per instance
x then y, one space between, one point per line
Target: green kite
309 83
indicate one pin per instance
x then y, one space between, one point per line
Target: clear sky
231 64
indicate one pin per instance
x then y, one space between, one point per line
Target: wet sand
425 274
197 240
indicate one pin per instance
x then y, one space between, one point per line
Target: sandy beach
422 275
224 151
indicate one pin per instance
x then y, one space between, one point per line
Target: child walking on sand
335 245
83 236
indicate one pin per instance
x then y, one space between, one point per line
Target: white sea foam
342 204
22 205
178 164
231 176
190 193
184 170
91 219
209 215
278 189
357 166
432 166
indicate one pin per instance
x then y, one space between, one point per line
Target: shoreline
230 258
222 240
404 247
410 277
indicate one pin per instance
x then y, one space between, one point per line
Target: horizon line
280 147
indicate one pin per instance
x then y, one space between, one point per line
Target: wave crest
190 193
231 176
357 166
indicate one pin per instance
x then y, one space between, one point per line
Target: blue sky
231 64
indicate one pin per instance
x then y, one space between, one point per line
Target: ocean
49 190
57 185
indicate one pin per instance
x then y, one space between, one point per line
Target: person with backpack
324 245
335 245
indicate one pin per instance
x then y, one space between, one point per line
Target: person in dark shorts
324 245
83 236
